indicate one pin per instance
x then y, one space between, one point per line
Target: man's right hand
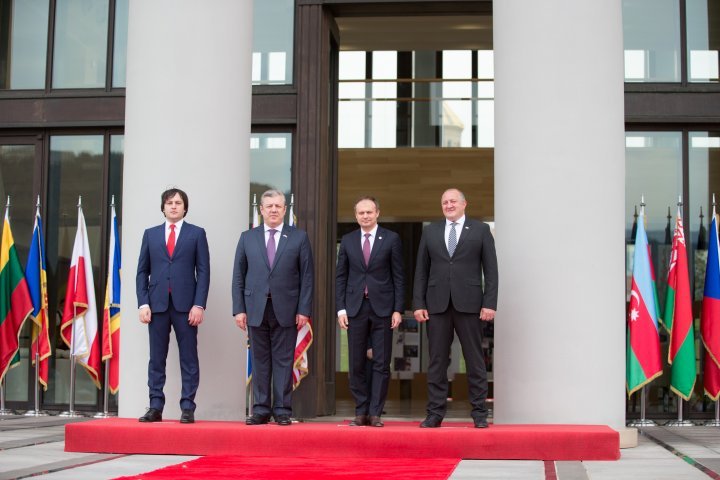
241 321
421 315
343 321
145 315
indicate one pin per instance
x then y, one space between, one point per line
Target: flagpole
71 411
106 396
5 411
37 412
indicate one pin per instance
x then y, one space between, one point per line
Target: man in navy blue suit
370 297
272 291
173 279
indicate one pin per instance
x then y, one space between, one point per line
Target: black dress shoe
359 421
431 421
188 416
257 419
376 422
152 415
480 422
283 420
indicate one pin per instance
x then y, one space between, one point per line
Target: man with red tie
173 280
370 299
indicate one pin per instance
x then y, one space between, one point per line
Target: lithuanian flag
15 302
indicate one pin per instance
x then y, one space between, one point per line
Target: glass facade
703 40
273 31
270 164
651 30
23 43
119 56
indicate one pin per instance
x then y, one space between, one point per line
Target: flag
79 327
679 317
643 342
111 311
15 302
256 217
710 316
305 334
36 276
248 375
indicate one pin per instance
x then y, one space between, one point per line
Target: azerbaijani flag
79 327
643 342
111 312
36 275
679 317
710 317
15 302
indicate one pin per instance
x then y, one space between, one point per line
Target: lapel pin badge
284 235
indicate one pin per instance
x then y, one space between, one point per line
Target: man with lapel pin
448 294
272 292
173 280
370 296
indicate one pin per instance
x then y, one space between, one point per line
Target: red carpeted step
332 440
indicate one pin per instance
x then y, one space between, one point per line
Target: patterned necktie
366 249
452 239
271 246
171 240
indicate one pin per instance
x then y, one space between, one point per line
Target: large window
651 30
23 43
703 40
270 164
273 30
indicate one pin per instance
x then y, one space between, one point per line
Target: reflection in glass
351 113
653 163
273 30
270 164
16 181
651 32
23 43
120 43
703 40
76 169
383 111
80 56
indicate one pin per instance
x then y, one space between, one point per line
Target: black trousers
186 335
440 332
367 329
272 348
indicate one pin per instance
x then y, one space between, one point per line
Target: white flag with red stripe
79 328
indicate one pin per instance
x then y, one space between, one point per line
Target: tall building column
188 126
559 211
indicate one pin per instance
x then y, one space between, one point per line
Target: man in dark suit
173 279
272 291
448 294
369 295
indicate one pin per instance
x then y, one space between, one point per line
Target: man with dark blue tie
370 298
173 280
272 291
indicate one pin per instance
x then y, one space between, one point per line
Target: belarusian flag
679 317
79 327
643 342
15 303
111 312
710 318
36 275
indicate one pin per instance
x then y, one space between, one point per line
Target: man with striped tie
449 295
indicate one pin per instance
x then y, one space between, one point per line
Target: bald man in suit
454 256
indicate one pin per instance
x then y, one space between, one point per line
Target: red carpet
331 440
260 468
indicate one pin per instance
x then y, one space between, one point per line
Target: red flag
710 317
79 327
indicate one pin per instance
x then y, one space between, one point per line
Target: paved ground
34 447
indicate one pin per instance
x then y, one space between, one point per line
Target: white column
188 125
559 198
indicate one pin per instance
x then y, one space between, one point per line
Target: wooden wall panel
409 182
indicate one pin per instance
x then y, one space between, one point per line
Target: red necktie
171 240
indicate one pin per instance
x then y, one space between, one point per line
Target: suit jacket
289 281
439 277
383 275
186 274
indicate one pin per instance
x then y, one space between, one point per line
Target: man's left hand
396 320
301 320
487 314
195 317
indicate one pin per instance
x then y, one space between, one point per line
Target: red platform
333 440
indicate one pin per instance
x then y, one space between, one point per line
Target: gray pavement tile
499 469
